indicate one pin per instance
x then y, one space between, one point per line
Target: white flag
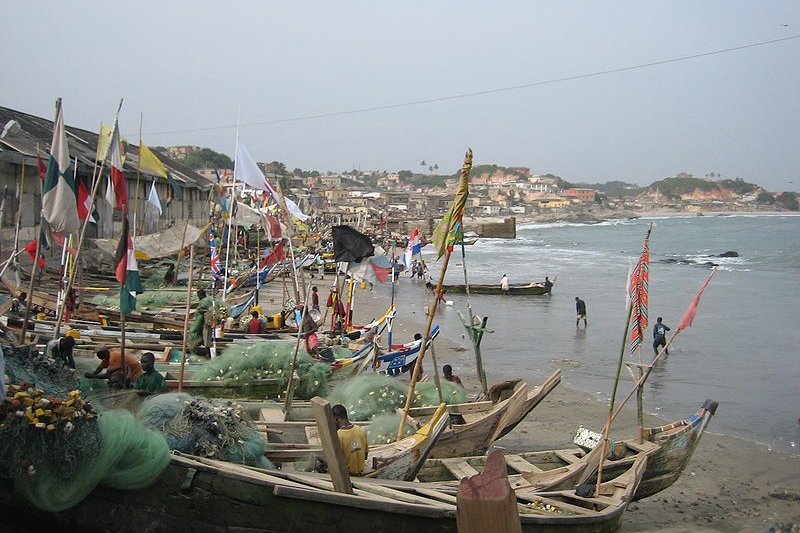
246 170
153 198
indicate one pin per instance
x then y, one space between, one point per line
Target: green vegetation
765 198
739 186
430 181
687 184
789 200
207 158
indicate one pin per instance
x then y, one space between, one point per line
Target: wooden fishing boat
400 460
474 425
514 289
668 449
204 495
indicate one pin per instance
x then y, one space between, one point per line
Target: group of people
659 329
121 373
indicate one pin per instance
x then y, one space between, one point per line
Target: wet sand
730 485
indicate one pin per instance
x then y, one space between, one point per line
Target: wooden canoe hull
513 290
205 496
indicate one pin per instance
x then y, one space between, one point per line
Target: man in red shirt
449 376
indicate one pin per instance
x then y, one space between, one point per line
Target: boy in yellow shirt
352 439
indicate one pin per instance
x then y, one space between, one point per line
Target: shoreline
595 216
730 484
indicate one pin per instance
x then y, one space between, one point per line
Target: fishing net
26 364
366 395
208 313
57 449
196 426
146 299
246 363
383 429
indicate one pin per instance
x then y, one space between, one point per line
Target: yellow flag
149 163
449 229
103 141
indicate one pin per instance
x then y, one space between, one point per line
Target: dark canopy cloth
350 245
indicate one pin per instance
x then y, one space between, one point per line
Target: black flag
350 245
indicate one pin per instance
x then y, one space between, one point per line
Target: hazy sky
189 67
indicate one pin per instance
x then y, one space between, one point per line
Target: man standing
580 308
548 285
660 336
352 439
504 284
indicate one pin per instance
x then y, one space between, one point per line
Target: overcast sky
336 85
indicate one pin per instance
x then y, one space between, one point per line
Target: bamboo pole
293 367
418 363
186 318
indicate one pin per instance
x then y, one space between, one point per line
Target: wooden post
334 456
485 502
186 318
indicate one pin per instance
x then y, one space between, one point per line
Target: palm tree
435 166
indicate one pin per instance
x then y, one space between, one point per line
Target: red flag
121 255
42 167
381 273
83 200
31 249
639 286
277 254
274 227
688 316
117 176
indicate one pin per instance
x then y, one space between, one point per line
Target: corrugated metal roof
36 133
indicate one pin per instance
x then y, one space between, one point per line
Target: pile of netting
27 364
196 426
367 395
56 449
244 363
382 428
146 299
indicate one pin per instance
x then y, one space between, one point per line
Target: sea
743 349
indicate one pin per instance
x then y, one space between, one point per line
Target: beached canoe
668 449
204 495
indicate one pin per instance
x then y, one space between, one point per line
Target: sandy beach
730 485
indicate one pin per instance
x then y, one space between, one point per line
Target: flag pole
186 317
466 168
607 428
138 177
95 186
29 301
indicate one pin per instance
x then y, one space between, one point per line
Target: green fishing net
146 299
196 426
368 395
54 445
383 429
245 363
130 457
26 364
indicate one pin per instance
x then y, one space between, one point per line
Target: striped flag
640 278
59 203
215 269
127 270
413 248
